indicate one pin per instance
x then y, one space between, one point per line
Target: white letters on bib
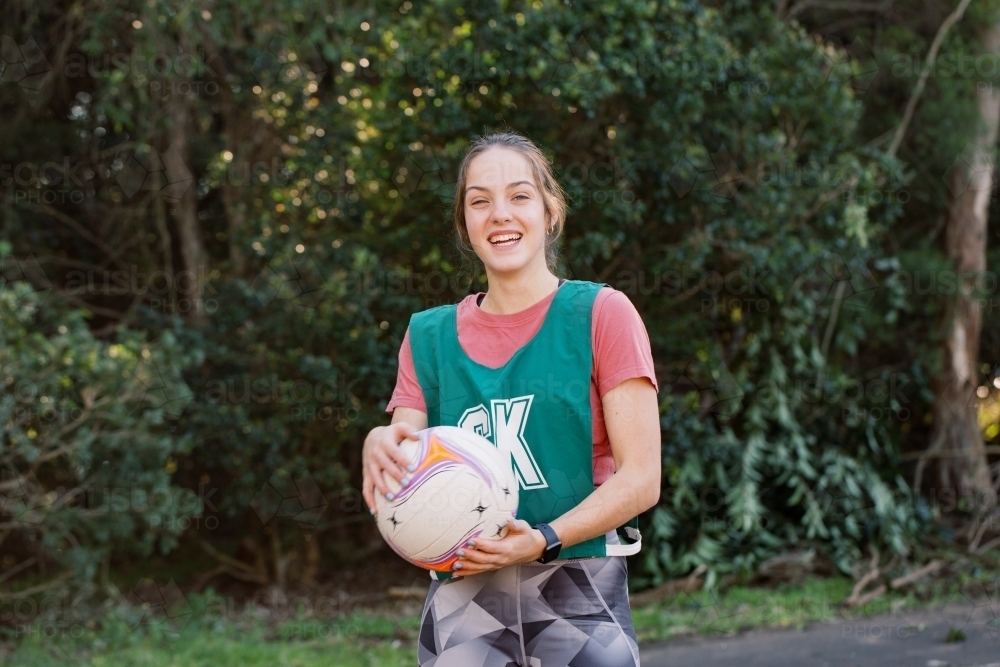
504 423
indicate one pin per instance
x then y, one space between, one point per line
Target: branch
76 227
869 596
688 584
114 151
17 568
206 576
911 106
908 579
236 568
827 197
57 452
856 599
832 323
989 545
936 449
225 569
97 310
37 589
974 544
951 454
12 482
832 5
67 261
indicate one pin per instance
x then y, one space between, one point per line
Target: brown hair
553 196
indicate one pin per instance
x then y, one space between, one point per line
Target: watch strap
552 543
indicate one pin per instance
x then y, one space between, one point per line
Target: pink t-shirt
621 352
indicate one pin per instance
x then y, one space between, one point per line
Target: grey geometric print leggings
566 613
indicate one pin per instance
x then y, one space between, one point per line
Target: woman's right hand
382 452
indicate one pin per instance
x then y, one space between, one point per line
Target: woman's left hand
522 544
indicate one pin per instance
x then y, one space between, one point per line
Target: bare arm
411 416
632 416
631 413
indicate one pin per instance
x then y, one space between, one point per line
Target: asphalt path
902 639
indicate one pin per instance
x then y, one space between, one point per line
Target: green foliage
720 174
85 446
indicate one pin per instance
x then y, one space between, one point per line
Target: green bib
536 407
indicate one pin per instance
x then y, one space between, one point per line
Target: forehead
498 167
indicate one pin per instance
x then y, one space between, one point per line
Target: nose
501 211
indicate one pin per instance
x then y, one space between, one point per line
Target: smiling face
505 212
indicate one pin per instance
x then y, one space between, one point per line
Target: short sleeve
407 393
620 342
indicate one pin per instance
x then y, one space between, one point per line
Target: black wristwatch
552 543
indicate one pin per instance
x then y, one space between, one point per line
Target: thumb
518 526
406 429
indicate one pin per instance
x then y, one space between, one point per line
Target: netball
462 488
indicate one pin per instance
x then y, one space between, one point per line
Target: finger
497 545
477 556
399 457
375 470
389 465
406 430
366 493
481 566
469 568
390 451
488 546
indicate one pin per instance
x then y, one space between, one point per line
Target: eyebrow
510 185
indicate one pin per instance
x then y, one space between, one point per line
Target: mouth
504 239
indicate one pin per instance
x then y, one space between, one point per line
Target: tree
713 160
957 441
929 103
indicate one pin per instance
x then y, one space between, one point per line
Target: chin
507 268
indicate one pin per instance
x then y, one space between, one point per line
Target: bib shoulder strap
432 318
433 339
431 331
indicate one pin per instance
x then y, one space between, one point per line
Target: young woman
559 373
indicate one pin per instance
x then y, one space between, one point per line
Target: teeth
504 239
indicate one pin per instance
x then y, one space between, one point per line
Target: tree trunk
180 192
312 559
957 443
237 126
235 214
183 185
280 559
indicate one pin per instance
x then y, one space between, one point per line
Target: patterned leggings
571 612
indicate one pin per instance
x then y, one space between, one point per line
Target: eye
476 201
521 196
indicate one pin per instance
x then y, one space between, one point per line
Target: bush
86 448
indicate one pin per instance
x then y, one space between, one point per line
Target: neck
512 294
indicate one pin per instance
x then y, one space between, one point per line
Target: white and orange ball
461 489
